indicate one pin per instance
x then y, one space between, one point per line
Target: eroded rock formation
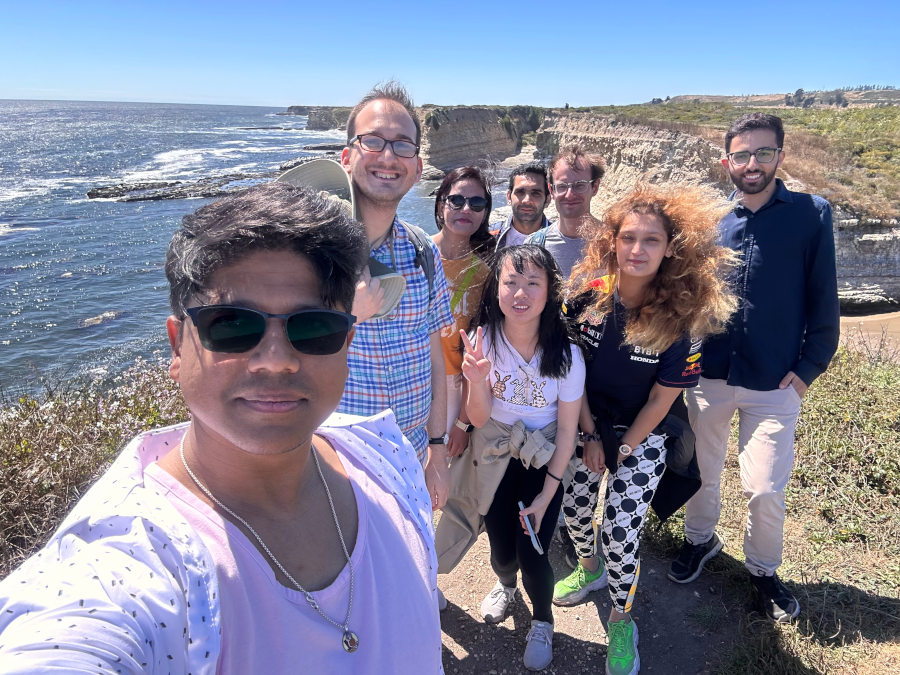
455 136
867 250
327 117
868 262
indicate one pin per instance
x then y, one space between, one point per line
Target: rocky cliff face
867 251
456 136
296 110
324 118
632 152
868 262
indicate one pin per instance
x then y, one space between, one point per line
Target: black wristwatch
465 426
440 440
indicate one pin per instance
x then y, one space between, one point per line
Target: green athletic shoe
574 588
622 654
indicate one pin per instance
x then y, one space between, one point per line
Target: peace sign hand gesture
475 367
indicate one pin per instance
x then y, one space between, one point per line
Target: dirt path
683 628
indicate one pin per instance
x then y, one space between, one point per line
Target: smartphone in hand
530 526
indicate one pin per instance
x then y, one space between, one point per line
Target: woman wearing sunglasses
462 209
648 289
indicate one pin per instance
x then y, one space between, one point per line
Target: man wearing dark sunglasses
574 180
396 360
781 339
264 533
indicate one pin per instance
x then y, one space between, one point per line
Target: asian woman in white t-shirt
521 365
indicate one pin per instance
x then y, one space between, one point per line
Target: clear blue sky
547 53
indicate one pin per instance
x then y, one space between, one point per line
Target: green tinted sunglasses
232 330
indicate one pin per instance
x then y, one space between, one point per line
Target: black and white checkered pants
629 491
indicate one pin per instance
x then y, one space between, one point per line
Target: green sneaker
574 588
622 654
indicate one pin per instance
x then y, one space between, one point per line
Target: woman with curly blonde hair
648 290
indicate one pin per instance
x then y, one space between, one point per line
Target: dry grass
842 535
52 447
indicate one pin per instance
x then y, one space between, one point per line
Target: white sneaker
442 601
495 604
539 646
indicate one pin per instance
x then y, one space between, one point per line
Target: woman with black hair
462 209
524 385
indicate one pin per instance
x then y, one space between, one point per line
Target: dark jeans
511 548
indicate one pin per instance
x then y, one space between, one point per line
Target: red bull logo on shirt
691 369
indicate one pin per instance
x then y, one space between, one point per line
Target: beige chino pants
767 421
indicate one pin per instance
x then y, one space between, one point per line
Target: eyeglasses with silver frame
579 187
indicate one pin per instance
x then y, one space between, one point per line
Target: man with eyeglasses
528 194
265 532
574 180
396 360
781 338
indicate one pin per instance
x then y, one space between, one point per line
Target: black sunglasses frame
462 201
204 317
385 143
731 155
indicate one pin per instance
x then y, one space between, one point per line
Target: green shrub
54 445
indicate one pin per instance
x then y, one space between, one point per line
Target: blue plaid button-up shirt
390 357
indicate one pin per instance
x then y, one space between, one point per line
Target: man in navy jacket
781 338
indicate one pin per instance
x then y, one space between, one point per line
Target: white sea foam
27 189
6 228
186 163
100 318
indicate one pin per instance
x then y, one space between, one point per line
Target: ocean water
82 286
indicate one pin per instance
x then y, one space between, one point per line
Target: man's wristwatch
465 426
585 437
439 440
625 450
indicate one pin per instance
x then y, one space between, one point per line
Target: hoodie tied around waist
474 478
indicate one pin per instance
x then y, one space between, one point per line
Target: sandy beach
873 328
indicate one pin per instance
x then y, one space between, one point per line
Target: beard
737 177
526 219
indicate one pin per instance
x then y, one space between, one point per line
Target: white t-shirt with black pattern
520 392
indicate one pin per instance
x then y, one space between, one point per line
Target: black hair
532 167
268 217
554 337
752 122
481 240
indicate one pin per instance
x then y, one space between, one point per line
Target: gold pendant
350 641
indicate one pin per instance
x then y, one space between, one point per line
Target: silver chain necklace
350 640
